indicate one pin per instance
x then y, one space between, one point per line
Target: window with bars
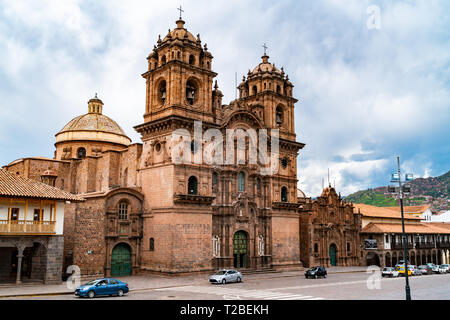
123 210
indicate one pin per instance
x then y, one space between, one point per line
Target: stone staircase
258 271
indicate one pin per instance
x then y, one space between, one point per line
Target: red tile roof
12 185
411 209
380 212
426 228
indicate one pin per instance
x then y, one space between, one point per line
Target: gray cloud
365 95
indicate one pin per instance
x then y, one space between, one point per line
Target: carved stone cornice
192 199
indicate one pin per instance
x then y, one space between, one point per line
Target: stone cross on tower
181 10
265 48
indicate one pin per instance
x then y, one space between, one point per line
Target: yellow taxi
401 271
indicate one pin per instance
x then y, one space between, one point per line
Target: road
341 286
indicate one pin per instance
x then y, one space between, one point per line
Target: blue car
102 287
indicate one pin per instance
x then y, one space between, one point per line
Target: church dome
93 126
265 66
179 33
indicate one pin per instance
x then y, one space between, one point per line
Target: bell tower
179 77
270 88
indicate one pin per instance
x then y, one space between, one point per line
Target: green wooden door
121 260
240 249
333 254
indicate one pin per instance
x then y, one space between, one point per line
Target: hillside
432 190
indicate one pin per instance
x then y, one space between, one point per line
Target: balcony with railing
26 227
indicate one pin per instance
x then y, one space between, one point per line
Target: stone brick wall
54 259
286 241
182 242
89 235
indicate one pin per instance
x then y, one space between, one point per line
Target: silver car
225 276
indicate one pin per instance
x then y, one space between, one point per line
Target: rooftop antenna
181 10
265 48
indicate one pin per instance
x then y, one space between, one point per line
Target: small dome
300 194
93 126
93 122
265 66
180 33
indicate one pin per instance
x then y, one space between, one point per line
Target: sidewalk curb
152 288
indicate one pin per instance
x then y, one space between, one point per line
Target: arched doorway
372 259
121 260
240 249
332 253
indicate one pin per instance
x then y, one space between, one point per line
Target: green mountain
432 190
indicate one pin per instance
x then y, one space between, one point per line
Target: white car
389 272
446 267
442 269
225 276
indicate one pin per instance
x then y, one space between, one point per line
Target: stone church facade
330 231
147 212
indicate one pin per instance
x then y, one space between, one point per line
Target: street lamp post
400 196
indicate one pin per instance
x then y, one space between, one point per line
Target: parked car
102 287
401 270
389 272
226 275
414 270
316 272
446 267
442 269
433 267
425 269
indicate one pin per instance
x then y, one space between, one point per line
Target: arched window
284 162
81 153
123 210
241 182
316 248
152 244
192 185
191 92
279 116
163 60
162 91
278 89
191 59
284 194
255 89
207 65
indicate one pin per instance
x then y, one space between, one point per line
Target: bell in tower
179 77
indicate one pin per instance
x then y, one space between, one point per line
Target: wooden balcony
9 227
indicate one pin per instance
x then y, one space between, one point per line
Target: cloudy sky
368 88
